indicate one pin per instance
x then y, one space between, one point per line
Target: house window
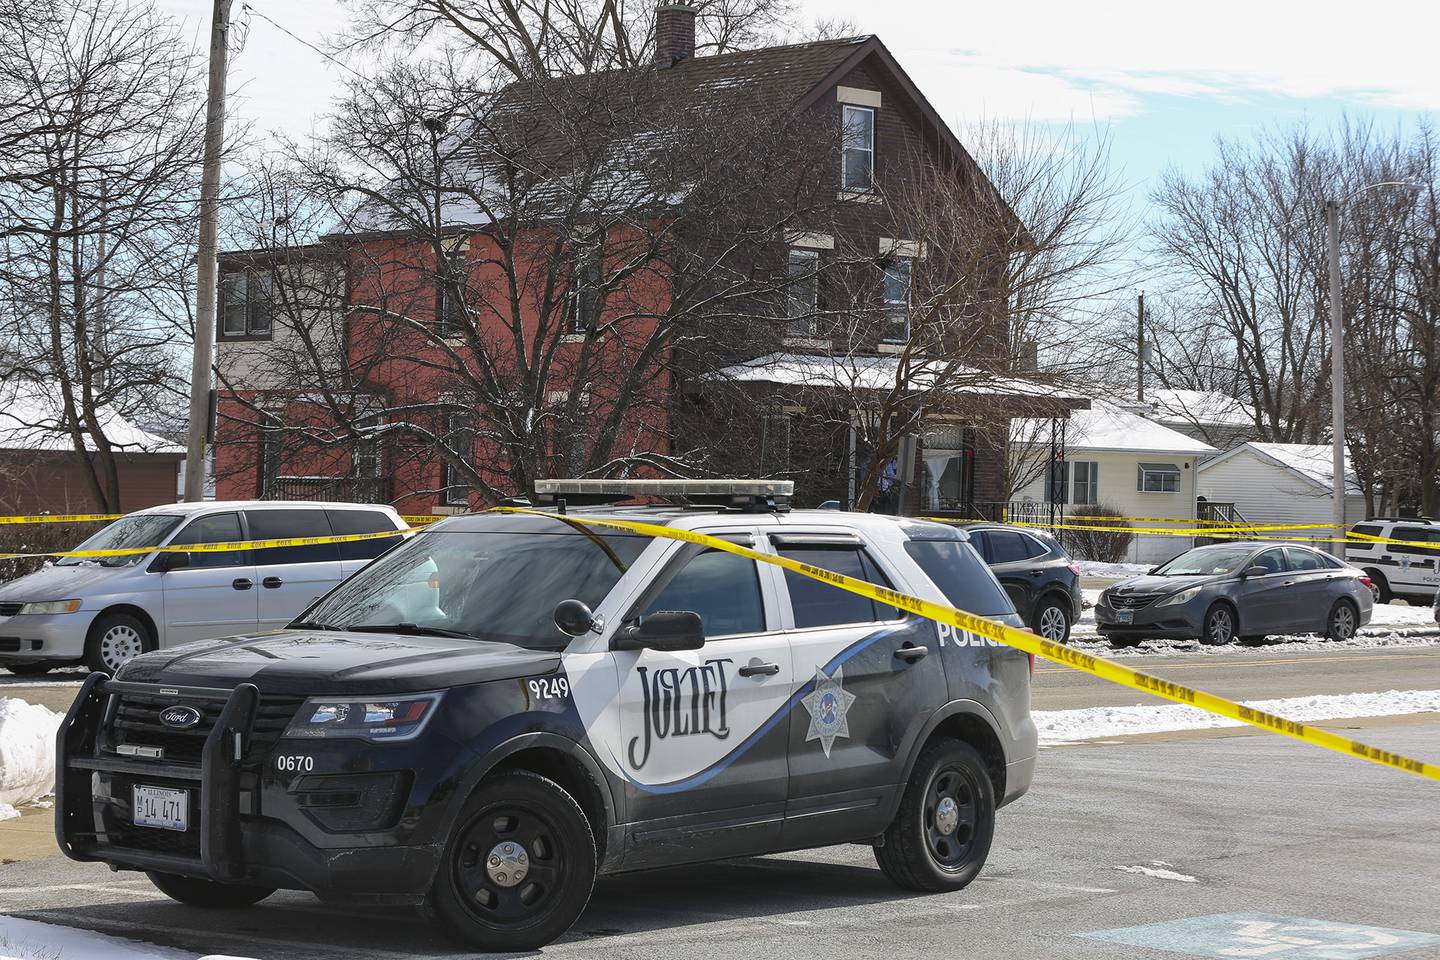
775 443
450 309
897 300
583 300
267 467
1158 478
949 465
858 148
802 293
1059 481
459 438
1084 482
246 303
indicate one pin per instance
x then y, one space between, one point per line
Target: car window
961 575
817 604
1006 546
1366 529
1034 547
127 533
1301 559
1272 560
343 522
723 588
215 528
981 544
1415 534
284 524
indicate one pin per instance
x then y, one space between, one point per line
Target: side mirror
668 630
1255 571
1151 571
170 561
575 619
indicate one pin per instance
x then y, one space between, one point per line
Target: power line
302 41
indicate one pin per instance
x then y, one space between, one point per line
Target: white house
1280 482
1118 458
1215 418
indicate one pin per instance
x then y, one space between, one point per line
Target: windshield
491 586
1206 562
136 530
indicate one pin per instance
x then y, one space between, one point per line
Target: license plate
1124 616
161 807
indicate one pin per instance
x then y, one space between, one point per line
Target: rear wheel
114 640
941 834
28 669
207 893
1381 586
1219 626
1343 621
1052 621
519 866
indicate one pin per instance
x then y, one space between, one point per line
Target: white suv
104 611
1399 571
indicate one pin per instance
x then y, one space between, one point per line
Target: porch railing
337 489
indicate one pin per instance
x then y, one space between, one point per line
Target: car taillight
1073 568
1368 582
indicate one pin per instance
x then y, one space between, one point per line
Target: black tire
207 893
472 895
1219 626
1383 593
115 638
1343 621
1052 620
1254 639
28 669
919 852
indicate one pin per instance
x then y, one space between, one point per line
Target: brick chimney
674 33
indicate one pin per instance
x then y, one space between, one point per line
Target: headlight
52 606
367 718
1184 596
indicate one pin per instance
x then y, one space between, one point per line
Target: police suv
509 704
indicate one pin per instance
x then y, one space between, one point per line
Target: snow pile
27 750
1396 615
1089 723
1094 568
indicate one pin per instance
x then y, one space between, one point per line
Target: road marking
1227 662
116 887
1230 935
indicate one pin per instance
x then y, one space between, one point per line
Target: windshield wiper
313 625
411 629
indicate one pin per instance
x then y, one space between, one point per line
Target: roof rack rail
1400 520
753 495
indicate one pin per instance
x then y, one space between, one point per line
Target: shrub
1102 546
37 538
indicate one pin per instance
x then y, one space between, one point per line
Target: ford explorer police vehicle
507 705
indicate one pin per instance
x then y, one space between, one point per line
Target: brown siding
55 483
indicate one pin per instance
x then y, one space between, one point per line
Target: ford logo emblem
180 718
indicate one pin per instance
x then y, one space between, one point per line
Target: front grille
1132 601
9 608
135 720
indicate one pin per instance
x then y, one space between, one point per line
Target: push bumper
226 840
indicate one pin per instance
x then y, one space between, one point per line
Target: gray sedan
1242 590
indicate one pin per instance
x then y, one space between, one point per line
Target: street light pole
1337 370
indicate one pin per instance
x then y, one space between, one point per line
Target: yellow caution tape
228 547
1225 523
1030 643
60 518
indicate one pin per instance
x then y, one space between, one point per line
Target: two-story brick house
846 271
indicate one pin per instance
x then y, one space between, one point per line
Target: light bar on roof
669 488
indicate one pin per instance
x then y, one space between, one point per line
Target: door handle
910 654
271 583
757 669
1036 573
242 583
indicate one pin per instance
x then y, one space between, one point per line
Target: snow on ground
27 751
1090 723
1158 870
32 940
1094 568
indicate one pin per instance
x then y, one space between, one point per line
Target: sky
1162 80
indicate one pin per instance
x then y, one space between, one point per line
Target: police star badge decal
828 704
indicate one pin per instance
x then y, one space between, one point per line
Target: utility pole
1140 349
206 267
1337 370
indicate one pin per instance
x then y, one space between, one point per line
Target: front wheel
519 866
114 640
941 834
1342 622
1219 626
1052 621
207 893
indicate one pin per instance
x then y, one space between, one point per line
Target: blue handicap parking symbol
1265 935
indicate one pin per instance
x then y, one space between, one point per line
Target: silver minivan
103 611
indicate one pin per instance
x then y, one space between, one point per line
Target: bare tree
96 208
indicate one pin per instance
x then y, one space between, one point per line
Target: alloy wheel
950 813
1222 626
1342 623
1053 624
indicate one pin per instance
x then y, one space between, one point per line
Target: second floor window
857 168
450 310
802 293
583 306
246 303
460 439
897 300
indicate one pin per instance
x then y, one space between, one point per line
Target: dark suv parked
1042 580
